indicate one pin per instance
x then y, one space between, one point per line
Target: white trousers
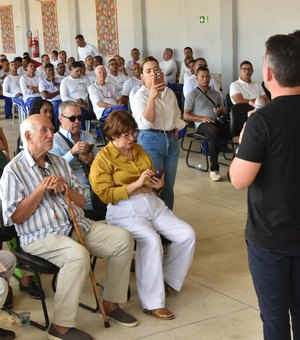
147 217
73 259
9 262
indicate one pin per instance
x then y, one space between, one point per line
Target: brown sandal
160 313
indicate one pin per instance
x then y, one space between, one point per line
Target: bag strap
206 96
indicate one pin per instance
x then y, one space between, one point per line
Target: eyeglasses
246 69
127 135
73 118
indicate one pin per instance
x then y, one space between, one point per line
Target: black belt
161 131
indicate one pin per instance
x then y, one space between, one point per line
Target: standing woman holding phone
156 112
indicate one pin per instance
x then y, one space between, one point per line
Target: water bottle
198 167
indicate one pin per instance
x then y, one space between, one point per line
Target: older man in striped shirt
32 190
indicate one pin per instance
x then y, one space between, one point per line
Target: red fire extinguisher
35 48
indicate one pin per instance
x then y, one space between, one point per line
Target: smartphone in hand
158 173
159 78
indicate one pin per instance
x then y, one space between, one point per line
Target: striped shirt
20 178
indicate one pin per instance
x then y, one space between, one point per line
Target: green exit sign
203 19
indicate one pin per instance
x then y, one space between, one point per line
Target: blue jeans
276 278
7 106
164 152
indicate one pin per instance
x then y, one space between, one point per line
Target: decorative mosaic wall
7 29
107 27
50 27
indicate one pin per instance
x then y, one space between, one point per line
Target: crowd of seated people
62 86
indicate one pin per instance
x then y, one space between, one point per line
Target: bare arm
238 98
188 115
49 95
243 173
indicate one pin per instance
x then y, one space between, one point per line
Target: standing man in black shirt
268 163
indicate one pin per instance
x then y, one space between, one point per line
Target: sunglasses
73 118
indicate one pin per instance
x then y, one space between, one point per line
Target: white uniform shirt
169 69
102 93
88 49
26 81
74 88
11 86
46 85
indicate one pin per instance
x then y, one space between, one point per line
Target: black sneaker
32 290
6 334
8 304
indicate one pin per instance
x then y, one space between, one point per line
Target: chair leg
201 152
83 305
43 301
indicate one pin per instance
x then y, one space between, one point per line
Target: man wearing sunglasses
76 146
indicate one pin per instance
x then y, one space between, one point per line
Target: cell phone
158 173
159 78
91 146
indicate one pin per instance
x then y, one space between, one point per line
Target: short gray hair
26 125
62 107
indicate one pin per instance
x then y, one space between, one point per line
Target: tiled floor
217 301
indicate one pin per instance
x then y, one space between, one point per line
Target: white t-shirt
88 49
26 81
102 93
11 86
169 69
130 84
74 88
46 85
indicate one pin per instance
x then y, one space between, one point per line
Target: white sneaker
215 176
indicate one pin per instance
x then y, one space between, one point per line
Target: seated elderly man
32 189
75 87
74 145
203 106
244 89
168 66
103 95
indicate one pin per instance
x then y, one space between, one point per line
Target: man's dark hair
76 64
55 53
245 62
188 48
201 68
49 65
79 36
99 59
19 59
283 57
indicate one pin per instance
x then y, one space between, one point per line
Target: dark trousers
276 278
214 134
